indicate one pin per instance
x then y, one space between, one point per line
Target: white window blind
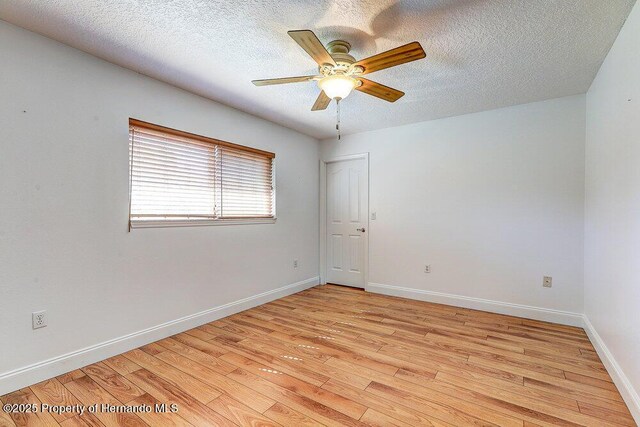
245 184
177 178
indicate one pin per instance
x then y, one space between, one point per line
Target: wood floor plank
581 396
152 349
196 388
300 362
392 409
480 400
577 333
32 416
239 413
332 330
428 363
521 369
213 329
579 360
161 414
189 407
606 384
531 343
295 327
84 420
212 362
200 334
52 392
325 397
542 395
573 416
118 386
554 326
572 388
574 365
309 407
623 419
89 392
528 336
337 356
374 418
360 357
159 417
288 417
589 355
5 418
370 374
70 376
121 364
482 339
247 350
578 341
224 385
544 365
207 347
445 412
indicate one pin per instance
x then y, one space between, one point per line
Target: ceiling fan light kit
340 73
338 86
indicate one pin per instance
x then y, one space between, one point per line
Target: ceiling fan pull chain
338 117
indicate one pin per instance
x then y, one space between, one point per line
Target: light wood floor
338 356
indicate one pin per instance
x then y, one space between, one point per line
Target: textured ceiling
481 54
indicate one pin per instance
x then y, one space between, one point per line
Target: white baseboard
626 389
28 375
530 312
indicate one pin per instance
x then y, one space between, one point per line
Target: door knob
361 229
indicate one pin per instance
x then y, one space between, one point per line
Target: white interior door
347 226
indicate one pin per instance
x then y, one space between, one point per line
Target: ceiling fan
340 73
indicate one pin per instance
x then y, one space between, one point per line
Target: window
178 178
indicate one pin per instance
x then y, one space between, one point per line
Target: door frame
323 213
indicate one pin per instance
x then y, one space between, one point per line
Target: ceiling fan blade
310 43
322 102
283 80
400 55
379 91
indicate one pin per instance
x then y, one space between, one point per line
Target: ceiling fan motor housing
339 51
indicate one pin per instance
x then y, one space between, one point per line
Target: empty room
319 213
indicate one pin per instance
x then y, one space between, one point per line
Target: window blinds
180 177
245 184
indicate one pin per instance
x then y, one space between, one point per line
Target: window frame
163 222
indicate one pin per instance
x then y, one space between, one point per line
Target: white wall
64 245
492 201
612 220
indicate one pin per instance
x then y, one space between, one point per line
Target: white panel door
347 213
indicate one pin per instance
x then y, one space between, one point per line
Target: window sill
164 223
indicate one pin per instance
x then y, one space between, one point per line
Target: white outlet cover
38 319
373 215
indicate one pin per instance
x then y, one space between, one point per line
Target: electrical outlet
295 263
373 215
546 281
427 268
38 319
